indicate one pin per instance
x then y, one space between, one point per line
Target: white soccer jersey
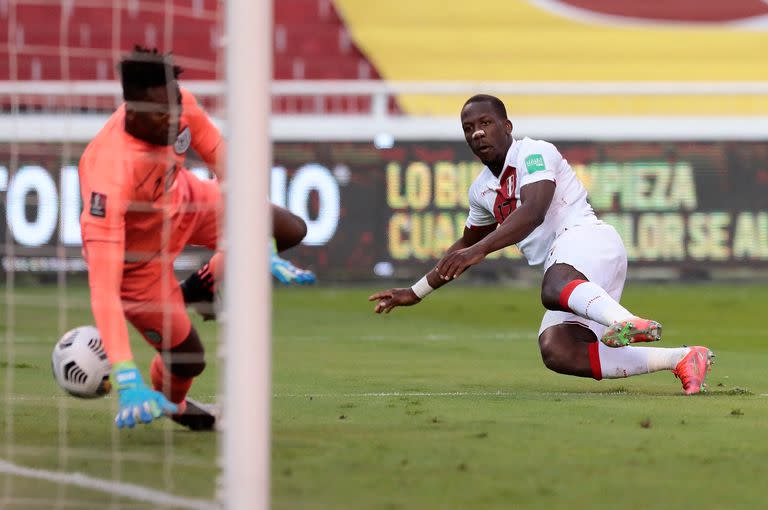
492 199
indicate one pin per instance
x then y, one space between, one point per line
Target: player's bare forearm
433 277
534 204
515 228
387 300
471 237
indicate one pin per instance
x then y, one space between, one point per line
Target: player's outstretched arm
387 300
534 204
137 402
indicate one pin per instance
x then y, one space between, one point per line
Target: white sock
592 302
664 358
627 361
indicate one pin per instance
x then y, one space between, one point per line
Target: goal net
58 86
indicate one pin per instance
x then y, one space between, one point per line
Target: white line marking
395 394
498 393
127 490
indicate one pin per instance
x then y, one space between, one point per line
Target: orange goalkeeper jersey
130 199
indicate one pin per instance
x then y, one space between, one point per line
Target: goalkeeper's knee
188 358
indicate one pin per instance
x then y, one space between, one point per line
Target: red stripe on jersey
506 202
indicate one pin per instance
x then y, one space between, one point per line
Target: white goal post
247 313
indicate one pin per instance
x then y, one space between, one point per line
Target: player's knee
288 228
300 229
294 235
550 295
188 358
550 354
189 369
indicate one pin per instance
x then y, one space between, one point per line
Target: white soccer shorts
597 251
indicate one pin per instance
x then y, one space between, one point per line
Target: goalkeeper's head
152 95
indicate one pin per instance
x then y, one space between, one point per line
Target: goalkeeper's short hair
144 68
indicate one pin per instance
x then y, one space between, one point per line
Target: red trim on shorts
594 360
567 291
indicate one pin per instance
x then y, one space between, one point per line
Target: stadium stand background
82 40
634 97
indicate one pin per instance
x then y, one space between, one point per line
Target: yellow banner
553 40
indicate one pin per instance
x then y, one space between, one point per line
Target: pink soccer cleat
631 331
693 368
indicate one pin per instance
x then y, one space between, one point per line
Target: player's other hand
138 403
388 299
452 265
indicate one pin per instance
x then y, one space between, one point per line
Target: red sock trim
594 360
179 386
567 291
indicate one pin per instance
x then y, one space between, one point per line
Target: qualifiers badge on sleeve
98 204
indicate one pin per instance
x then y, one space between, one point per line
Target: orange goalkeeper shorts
152 298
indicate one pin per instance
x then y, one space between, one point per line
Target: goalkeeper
141 208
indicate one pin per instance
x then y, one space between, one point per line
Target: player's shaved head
496 103
145 68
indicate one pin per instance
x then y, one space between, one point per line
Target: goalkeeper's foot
692 369
195 416
288 274
631 331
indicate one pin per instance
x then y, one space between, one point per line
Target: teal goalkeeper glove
138 403
287 273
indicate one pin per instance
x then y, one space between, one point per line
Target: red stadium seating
81 40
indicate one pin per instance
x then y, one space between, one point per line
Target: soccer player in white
528 195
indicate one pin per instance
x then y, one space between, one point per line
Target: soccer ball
79 363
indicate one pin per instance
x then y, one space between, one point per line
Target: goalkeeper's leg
172 372
199 288
163 322
288 230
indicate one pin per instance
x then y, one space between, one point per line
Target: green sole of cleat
623 334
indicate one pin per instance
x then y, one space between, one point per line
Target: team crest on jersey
183 141
98 204
153 336
505 202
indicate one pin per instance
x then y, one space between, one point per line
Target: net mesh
59 451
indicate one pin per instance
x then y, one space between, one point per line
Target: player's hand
452 265
388 299
138 403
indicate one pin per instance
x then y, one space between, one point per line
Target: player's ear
508 126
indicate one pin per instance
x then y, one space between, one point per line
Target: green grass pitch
442 406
